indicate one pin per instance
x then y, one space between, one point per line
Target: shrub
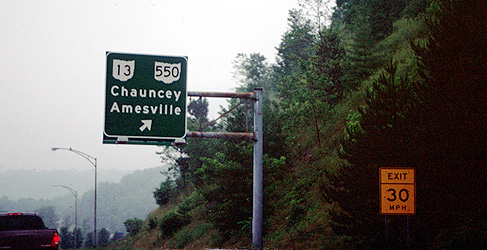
152 222
133 226
194 200
163 193
172 222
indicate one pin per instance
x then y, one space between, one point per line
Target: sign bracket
257 138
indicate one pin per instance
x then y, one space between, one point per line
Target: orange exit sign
397 191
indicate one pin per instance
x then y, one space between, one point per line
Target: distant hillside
130 197
18 184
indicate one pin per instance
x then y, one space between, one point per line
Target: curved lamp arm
70 189
90 158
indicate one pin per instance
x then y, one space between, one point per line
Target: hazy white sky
52 67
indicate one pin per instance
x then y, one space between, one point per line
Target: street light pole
75 212
92 160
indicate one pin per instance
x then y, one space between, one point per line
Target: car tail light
15 214
55 240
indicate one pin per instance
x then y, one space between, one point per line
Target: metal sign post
258 170
257 216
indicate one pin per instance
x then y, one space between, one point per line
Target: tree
378 14
364 23
415 7
225 176
252 70
181 159
318 10
178 168
228 191
296 44
133 226
453 108
329 59
198 109
188 159
383 14
431 124
361 59
103 237
164 192
78 237
172 222
310 93
89 240
382 134
67 238
48 215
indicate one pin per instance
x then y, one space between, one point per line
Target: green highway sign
145 98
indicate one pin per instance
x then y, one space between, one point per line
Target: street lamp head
54 149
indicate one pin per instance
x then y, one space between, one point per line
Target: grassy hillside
371 90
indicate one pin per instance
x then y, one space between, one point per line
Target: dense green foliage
432 123
388 83
133 226
163 193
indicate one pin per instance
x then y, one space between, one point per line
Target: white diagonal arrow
147 125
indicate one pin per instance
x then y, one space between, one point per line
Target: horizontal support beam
226 135
246 95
